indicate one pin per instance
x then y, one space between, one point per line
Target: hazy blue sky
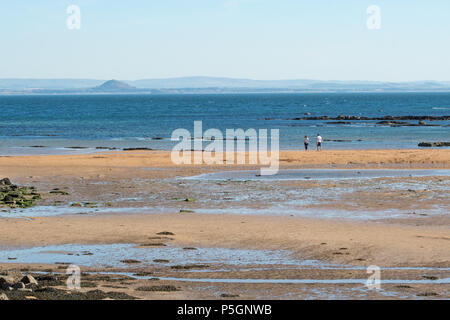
259 39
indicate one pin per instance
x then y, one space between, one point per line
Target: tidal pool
113 255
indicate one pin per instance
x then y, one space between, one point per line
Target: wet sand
149 186
382 244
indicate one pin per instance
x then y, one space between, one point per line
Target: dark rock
48 290
190 266
388 118
393 122
166 288
5 181
434 144
136 149
105 148
166 233
58 294
143 273
154 244
427 294
29 279
130 261
90 204
160 238
161 261
227 295
5 284
18 285
46 278
64 193
430 277
8 199
337 140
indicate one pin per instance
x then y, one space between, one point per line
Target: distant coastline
209 85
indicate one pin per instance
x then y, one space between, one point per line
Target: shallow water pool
319 174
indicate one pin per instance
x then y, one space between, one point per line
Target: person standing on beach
319 142
306 142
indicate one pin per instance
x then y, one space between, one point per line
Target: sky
255 39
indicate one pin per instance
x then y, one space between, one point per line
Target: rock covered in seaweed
14 196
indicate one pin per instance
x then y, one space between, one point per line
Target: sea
60 124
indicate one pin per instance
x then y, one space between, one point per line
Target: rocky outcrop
14 196
385 118
9 284
434 144
28 288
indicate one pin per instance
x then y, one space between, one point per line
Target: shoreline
40 150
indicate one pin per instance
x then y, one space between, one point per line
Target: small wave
440 108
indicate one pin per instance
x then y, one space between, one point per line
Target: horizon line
222 77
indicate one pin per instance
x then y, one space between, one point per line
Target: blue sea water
56 122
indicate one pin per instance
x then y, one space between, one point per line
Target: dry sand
103 163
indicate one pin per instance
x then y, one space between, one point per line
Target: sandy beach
211 153
140 198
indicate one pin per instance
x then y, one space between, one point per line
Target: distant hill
114 86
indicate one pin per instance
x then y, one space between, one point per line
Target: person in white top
319 142
306 142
